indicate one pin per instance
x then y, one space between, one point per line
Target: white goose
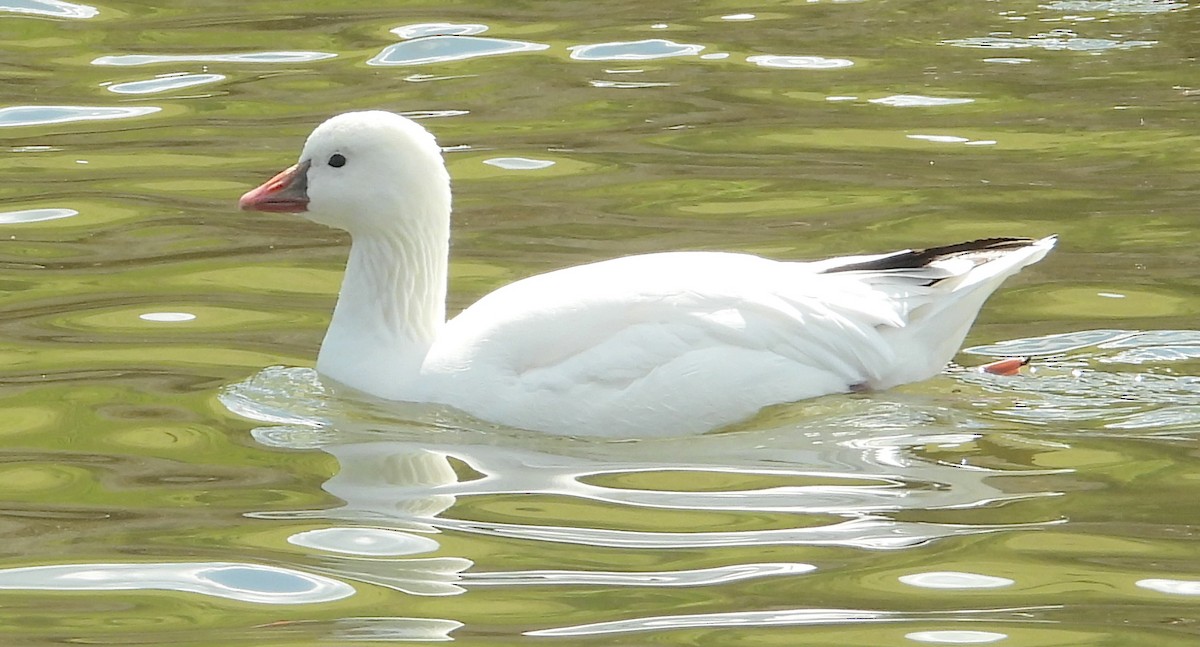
669 343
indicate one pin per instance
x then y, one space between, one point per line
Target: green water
158 486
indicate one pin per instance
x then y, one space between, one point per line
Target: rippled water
171 472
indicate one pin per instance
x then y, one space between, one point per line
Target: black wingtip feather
917 258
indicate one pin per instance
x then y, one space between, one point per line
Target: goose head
365 172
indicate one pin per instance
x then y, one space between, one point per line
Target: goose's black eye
337 160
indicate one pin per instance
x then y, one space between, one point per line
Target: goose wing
704 337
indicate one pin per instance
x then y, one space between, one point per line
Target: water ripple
433 576
697 577
231 580
799 62
1049 344
638 50
247 57
438 29
785 617
918 101
373 542
628 85
1154 346
42 115
35 215
956 637
1115 6
165 83
1052 41
51 8
955 580
868 532
393 629
1170 586
518 163
1068 389
442 49
953 139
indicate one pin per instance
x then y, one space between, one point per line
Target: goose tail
945 288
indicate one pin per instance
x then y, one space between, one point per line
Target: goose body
654 344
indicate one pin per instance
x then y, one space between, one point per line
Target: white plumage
644 345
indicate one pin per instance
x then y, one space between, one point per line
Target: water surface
173 473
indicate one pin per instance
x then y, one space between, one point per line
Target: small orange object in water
1010 366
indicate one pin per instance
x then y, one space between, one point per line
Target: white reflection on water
235 581
51 8
1153 347
872 533
366 542
919 101
430 576
638 50
1052 41
165 83
518 163
1050 344
43 115
394 484
799 62
697 577
441 49
366 629
956 637
1171 587
785 617
35 215
245 57
1116 6
438 29
955 580
628 85
394 629
1066 388
953 139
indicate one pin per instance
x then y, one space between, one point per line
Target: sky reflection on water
242 582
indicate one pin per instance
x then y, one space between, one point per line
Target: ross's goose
668 343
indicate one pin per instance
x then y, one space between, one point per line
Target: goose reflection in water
864 475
